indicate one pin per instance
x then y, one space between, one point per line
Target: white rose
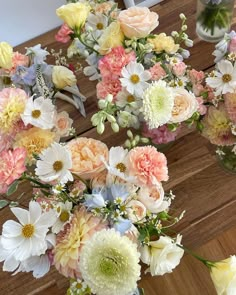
223 275
185 105
153 198
62 77
162 255
136 211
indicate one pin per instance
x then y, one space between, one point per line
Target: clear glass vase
213 19
227 159
5 80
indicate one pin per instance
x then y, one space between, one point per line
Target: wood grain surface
202 188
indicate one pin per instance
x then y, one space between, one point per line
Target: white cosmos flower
28 237
39 112
98 22
63 211
134 78
54 163
124 99
225 79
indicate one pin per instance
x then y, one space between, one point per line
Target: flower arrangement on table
219 123
143 81
31 73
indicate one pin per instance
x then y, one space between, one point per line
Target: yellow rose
74 14
62 77
6 54
164 43
111 37
223 275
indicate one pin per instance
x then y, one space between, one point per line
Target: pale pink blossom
196 77
18 59
157 72
202 109
148 165
160 135
108 87
110 65
230 105
232 45
12 165
63 124
179 69
63 35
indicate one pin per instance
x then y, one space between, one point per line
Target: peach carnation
157 72
12 165
12 105
63 35
87 156
71 239
148 165
18 59
108 87
34 140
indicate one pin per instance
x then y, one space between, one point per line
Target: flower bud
115 127
100 128
102 103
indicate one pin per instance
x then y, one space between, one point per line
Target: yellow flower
74 14
165 43
62 77
6 54
111 37
34 140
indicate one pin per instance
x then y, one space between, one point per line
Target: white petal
12 243
24 251
11 229
22 215
10 264
35 211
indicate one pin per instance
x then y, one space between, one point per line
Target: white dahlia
109 264
158 103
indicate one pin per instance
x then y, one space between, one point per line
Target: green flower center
111 263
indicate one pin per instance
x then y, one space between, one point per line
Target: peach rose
87 154
148 165
138 22
185 104
136 211
63 123
99 180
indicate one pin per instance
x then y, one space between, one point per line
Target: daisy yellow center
180 83
64 216
100 26
36 114
57 166
79 286
226 78
121 167
134 78
130 98
28 230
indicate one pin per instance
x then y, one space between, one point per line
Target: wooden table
202 188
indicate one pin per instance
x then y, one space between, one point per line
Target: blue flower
95 200
38 54
122 225
119 191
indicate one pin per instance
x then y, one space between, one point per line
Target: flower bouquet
143 81
219 123
31 73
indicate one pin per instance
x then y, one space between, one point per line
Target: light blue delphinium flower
122 225
24 76
37 53
97 199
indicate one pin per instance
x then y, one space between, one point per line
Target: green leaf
3 203
13 187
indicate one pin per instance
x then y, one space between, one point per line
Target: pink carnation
148 165
63 35
195 76
160 135
202 109
108 87
232 45
111 64
179 69
19 59
12 165
157 71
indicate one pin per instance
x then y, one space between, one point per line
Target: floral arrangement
31 73
143 81
219 123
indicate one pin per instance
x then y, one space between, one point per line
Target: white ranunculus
162 255
223 275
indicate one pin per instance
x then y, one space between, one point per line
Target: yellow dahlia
71 239
34 140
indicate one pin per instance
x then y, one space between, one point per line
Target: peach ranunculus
165 43
138 22
63 124
148 165
87 156
63 35
112 37
185 105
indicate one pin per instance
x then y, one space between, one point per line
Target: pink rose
157 72
108 87
110 65
138 22
148 165
63 35
87 154
179 69
232 45
63 123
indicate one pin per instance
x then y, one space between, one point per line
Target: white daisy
54 163
126 99
63 211
27 238
39 112
134 78
158 103
98 22
225 79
